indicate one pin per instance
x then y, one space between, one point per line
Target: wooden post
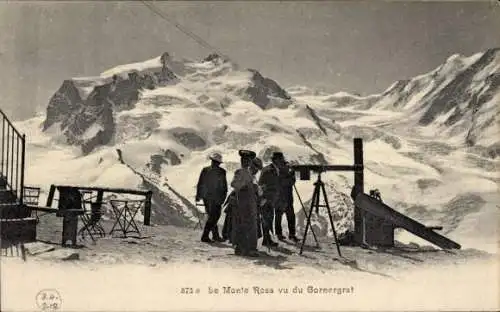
100 195
147 208
50 198
23 164
359 232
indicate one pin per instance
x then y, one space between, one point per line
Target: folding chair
91 218
125 212
31 197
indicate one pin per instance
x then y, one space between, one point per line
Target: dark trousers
227 228
267 221
213 211
290 219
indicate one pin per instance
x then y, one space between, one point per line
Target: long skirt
244 221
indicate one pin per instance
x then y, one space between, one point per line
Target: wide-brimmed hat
247 154
216 157
257 162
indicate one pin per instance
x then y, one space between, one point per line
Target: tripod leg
314 201
331 218
306 214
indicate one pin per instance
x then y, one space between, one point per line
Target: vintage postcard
249 155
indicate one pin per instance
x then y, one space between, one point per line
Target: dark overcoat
212 185
244 212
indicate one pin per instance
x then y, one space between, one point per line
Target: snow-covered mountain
457 101
430 142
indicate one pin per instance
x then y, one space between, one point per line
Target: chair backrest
31 195
90 206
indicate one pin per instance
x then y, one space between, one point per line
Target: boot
293 238
267 241
216 237
206 239
204 236
252 253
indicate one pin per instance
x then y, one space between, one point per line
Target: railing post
3 142
18 186
12 161
23 162
6 175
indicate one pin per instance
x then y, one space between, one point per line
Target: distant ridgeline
83 108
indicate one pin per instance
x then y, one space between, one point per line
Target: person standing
244 212
287 180
270 183
257 166
231 202
227 227
212 190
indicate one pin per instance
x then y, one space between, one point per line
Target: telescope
305 170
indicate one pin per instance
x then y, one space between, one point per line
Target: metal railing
12 157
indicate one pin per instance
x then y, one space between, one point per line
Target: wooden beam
105 189
147 208
359 228
43 209
321 168
100 195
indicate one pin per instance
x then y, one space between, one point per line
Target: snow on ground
158 288
148 274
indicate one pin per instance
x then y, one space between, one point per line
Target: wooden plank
377 208
321 168
105 189
43 209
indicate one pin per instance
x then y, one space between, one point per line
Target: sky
352 46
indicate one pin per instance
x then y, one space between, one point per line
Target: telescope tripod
319 187
305 213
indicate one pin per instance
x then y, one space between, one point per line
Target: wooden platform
22 230
380 221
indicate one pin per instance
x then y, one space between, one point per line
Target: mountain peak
84 108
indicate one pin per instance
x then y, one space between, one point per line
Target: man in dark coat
244 213
287 180
212 189
270 183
